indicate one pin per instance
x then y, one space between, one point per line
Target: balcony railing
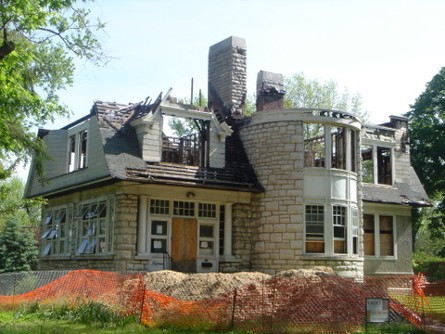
183 150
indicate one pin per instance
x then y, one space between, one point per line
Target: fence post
232 320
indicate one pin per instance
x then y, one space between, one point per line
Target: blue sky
385 50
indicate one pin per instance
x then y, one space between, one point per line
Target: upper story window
330 146
77 154
377 164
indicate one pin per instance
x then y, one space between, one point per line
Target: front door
184 244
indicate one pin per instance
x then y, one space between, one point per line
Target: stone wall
275 150
227 76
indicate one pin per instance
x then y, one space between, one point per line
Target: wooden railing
183 150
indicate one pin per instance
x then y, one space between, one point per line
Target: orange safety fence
272 304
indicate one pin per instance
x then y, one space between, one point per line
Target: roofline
80 120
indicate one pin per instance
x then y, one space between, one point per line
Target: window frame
378 163
55 240
78 150
335 147
96 227
377 240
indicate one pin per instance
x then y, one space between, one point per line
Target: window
158 243
159 207
355 231
339 221
376 164
96 228
315 229
206 210
379 235
329 146
338 148
183 208
221 229
54 238
206 239
314 145
77 146
384 165
386 236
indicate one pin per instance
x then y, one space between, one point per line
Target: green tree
302 92
427 134
38 39
19 221
18 247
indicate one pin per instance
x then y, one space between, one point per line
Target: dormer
203 148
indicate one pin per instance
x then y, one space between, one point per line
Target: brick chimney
227 78
270 91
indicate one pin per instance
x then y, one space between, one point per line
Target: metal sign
377 310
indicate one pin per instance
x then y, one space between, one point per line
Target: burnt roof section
411 193
123 154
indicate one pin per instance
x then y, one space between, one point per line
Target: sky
384 50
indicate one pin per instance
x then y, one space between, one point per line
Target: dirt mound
199 286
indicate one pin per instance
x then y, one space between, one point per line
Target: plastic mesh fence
319 303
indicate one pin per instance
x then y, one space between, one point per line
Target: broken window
190 146
53 239
96 225
384 165
77 151
376 159
315 229
338 147
314 145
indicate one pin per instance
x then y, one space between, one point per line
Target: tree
18 247
310 93
38 39
427 134
19 221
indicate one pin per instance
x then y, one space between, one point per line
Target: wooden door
184 244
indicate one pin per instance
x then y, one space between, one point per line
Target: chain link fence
289 303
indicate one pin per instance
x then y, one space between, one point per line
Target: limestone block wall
275 150
227 76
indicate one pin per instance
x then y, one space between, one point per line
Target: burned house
281 189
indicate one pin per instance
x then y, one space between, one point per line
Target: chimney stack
227 78
270 91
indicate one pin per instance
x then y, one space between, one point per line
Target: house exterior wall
57 166
274 144
401 263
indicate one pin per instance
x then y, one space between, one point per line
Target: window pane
158 227
386 236
158 246
206 247
206 231
368 226
338 148
160 207
384 165
353 151
314 145
314 229
367 164
184 208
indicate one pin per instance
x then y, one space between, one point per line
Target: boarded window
369 237
386 236
340 229
315 229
